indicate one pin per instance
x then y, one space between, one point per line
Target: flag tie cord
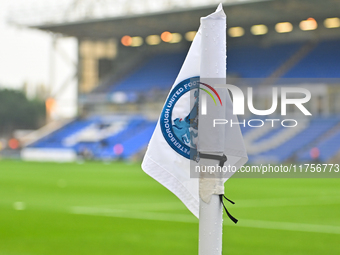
225 208
222 159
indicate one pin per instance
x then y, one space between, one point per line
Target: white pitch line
132 214
290 226
294 201
327 229
266 202
161 206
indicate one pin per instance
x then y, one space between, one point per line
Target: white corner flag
167 159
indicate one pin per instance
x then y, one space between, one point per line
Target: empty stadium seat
322 62
316 128
258 62
159 72
133 137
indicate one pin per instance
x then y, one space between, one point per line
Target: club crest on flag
180 130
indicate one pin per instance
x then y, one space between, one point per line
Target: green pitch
96 208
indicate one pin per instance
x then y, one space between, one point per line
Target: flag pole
212 66
210 227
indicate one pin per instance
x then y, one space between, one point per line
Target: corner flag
167 159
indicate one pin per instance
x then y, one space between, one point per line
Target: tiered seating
269 135
158 73
125 134
328 148
316 128
133 137
54 140
258 62
322 62
247 61
139 140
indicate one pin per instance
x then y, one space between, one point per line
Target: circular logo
179 118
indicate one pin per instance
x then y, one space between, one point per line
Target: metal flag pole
210 227
211 141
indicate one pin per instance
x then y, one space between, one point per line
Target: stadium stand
328 147
316 128
55 139
133 136
139 141
321 62
246 62
258 62
159 73
269 135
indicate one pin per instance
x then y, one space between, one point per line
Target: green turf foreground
96 208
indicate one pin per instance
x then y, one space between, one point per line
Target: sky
25 56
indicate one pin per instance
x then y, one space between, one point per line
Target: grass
96 208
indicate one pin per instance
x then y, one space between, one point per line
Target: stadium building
128 61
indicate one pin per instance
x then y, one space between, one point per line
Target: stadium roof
183 20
